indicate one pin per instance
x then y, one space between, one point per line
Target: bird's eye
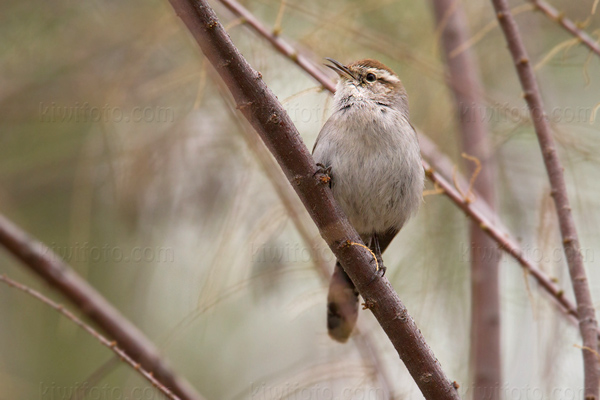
371 77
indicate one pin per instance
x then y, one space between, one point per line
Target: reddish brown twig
465 84
504 241
588 324
104 341
258 104
280 44
44 262
567 24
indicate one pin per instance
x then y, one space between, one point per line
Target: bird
369 150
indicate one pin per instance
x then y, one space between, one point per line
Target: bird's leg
325 173
377 250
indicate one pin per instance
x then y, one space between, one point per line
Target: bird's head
368 81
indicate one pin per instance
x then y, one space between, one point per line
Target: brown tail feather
342 299
342 305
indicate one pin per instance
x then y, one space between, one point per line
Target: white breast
375 165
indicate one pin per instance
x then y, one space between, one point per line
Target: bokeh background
120 150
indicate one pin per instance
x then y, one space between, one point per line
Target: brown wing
325 127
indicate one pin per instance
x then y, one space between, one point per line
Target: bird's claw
325 172
380 268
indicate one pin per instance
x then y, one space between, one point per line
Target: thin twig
429 150
280 44
48 265
588 324
504 241
486 29
104 341
267 116
567 24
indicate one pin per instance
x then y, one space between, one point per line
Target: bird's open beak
339 68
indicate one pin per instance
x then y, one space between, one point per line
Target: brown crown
370 63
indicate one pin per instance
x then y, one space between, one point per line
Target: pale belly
377 192
377 176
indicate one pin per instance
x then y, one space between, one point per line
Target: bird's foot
379 267
382 268
325 173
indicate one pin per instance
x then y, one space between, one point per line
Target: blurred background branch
50 267
567 24
465 83
586 313
113 346
117 152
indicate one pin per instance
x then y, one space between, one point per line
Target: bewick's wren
370 150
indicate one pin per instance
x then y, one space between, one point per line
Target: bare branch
363 340
465 83
280 44
588 324
567 24
104 341
504 241
258 104
44 262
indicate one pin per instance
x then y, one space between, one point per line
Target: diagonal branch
588 324
504 242
478 210
104 341
260 106
567 24
364 340
48 265
280 44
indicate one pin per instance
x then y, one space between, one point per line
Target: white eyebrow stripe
383 74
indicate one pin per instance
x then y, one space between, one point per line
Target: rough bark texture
44 262
269 119
364 339
465 84
588 324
